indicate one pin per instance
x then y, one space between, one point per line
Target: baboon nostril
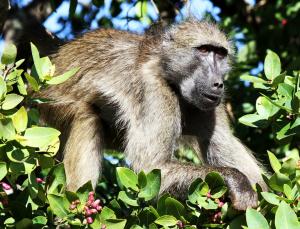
218 85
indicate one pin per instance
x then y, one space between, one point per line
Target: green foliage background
265 115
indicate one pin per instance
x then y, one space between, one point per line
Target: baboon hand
241 193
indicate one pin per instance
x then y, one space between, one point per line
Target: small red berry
93 211
89 220
72 207
220 204
96 203
180 224
39 180
99 208
208 195
88 212
284 22
5 186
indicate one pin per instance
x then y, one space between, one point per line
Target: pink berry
77 201
93 211
103 226
39 180
88 212
99 208
72 207
284 22
91 193
91 199
208 195
95 203
89 220
220 204
89 203
180 224
5 186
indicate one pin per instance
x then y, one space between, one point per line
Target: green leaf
252 120
3 170
36 59
285 90
265 108
166 221
152 187
127 178
57 179
7 129
31 80
174 208
83 191
142 179
9 53
57 205
275 164
289 166
196 190
62 78
271 198
253 79
115 223
11 101
20 119
277 181
47 69
161 206
285 132
216 184
256 220
40 136
40 220
272 65
127 200
107 213
3 89
285 217
278 79
288 192
21 86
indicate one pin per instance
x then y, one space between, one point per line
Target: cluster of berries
216 217
90 208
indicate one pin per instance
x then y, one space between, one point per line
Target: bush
33 191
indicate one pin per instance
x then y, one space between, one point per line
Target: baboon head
195 56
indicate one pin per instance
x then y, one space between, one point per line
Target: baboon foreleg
80 138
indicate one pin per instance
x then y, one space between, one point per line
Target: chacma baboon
157 87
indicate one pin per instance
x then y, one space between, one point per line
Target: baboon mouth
212 97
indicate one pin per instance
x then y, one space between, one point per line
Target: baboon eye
221 52
204 49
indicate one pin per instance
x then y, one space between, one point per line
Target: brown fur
122 83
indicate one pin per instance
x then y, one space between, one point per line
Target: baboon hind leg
82 141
